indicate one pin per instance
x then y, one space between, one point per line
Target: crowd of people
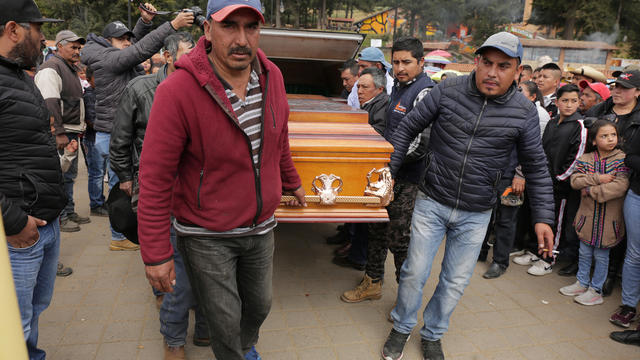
586 164
543 170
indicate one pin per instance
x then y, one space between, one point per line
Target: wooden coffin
334 150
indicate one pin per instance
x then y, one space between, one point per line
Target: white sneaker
516 253
573 289
540 268
527 259
589 297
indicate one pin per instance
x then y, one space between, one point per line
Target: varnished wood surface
314 215
324 110
328 137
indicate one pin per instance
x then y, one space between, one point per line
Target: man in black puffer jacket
31 185
477 120
115 61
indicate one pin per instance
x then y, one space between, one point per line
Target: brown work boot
367 290
118 245
173 353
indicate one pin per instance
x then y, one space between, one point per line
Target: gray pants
231 278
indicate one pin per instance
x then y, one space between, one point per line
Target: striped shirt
249 111
249 118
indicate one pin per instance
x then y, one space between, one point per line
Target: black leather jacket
471 143
130 124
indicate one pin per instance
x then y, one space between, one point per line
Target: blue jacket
471 143
403 98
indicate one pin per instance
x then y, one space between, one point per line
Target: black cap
121 216
626 68
116 29
22 11
629 79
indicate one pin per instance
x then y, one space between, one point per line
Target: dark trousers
393 235
504 227
69 179
525 235
567 204
231 279
358 235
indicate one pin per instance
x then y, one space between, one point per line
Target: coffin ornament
382 188
322 185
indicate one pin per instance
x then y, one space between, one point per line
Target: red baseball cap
218 10
598 87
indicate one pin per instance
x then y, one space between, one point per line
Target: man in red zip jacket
217 158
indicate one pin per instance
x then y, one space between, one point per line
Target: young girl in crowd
603 180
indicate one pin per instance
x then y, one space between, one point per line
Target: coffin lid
323 46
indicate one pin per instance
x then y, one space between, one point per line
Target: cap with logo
218 10
597 87
626 68
590 72
629 79
374 54
505 42
116 29
70 36
23 11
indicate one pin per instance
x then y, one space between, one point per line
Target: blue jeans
69 179
95 169
34 273
174 313
231 278
588 252
465 232
631 267
102 148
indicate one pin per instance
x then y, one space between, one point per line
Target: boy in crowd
548 82
564 141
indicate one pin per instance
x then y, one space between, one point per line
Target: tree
86 16
576 18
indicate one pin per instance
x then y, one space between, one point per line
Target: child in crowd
564 141
603 180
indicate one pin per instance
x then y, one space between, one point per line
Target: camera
198 18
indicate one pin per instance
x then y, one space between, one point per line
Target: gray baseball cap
69 36
505 42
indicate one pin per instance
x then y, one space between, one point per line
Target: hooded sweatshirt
197 162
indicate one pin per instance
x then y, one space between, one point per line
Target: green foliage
86 16
576 18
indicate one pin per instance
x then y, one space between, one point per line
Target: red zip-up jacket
196 162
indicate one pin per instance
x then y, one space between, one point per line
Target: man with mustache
31 184
477 122
58 82
216 157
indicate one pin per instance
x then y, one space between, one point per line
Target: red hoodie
196 162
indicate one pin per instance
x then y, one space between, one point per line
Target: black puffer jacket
30 176
472 139
114 68
131 124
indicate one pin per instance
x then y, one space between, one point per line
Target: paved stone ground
106 311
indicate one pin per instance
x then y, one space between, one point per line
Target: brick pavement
105 310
